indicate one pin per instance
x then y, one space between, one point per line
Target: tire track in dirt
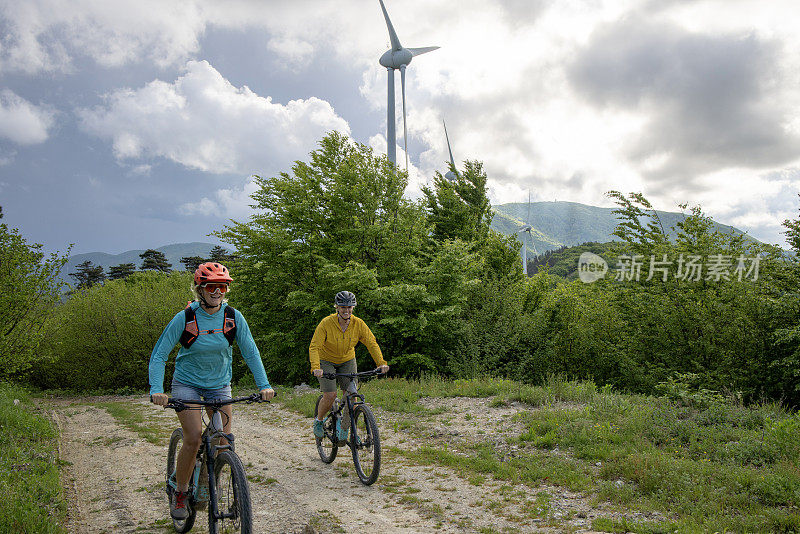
111 476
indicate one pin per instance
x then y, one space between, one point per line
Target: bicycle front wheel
366 445
327 445
175 444
233 497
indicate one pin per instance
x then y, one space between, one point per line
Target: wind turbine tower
526 228
397 57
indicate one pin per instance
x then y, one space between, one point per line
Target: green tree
191 263
87 274
219 254
123 270
338 221
459 209
31 288
154 260
792 233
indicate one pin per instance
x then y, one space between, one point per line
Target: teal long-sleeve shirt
207 364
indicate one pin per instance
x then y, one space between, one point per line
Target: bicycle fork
212 446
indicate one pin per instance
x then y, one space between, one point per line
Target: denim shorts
186 392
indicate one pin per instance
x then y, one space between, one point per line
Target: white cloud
233 203
47 35
296 53
501 80
22 122
50 35
203 122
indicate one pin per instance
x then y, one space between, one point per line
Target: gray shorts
326 384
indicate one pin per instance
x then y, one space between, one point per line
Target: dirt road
114 477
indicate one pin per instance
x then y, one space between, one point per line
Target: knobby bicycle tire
175 443
366 445
233 496
328 445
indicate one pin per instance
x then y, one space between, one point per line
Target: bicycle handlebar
373 372
182 404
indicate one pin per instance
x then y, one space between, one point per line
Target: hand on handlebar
159 399
267 394
317 372
383 369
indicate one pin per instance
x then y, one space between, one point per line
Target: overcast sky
137 124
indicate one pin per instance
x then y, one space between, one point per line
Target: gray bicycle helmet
344 298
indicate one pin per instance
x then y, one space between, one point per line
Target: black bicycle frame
209 434
350 395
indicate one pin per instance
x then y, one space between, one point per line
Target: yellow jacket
332 345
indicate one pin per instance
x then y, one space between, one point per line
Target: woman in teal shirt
203 366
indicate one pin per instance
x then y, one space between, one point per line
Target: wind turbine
526 228
397 57
450 175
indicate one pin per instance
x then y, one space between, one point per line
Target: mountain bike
218 481
364 441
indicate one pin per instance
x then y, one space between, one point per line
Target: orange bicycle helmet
213 272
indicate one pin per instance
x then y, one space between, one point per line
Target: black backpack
191 332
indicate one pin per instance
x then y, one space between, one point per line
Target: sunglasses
223 288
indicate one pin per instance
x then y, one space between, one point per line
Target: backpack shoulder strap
190 331
229 326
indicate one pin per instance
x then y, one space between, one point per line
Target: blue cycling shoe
318 430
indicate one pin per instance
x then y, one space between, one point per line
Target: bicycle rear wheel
233 497
328 445
366 445
175 444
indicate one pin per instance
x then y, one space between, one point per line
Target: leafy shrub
413 365
101 337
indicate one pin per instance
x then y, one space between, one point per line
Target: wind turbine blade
392 34
405 133
448 144
423 50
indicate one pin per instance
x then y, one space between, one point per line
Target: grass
32 499
325 521
401 395
724 467
481 460
712 466
131 417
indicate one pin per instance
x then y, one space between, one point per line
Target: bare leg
325 404
191 422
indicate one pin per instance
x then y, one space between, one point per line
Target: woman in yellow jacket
332 350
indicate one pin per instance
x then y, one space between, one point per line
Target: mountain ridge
173 252
554 224
559 223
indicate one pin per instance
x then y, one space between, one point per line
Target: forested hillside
559 224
